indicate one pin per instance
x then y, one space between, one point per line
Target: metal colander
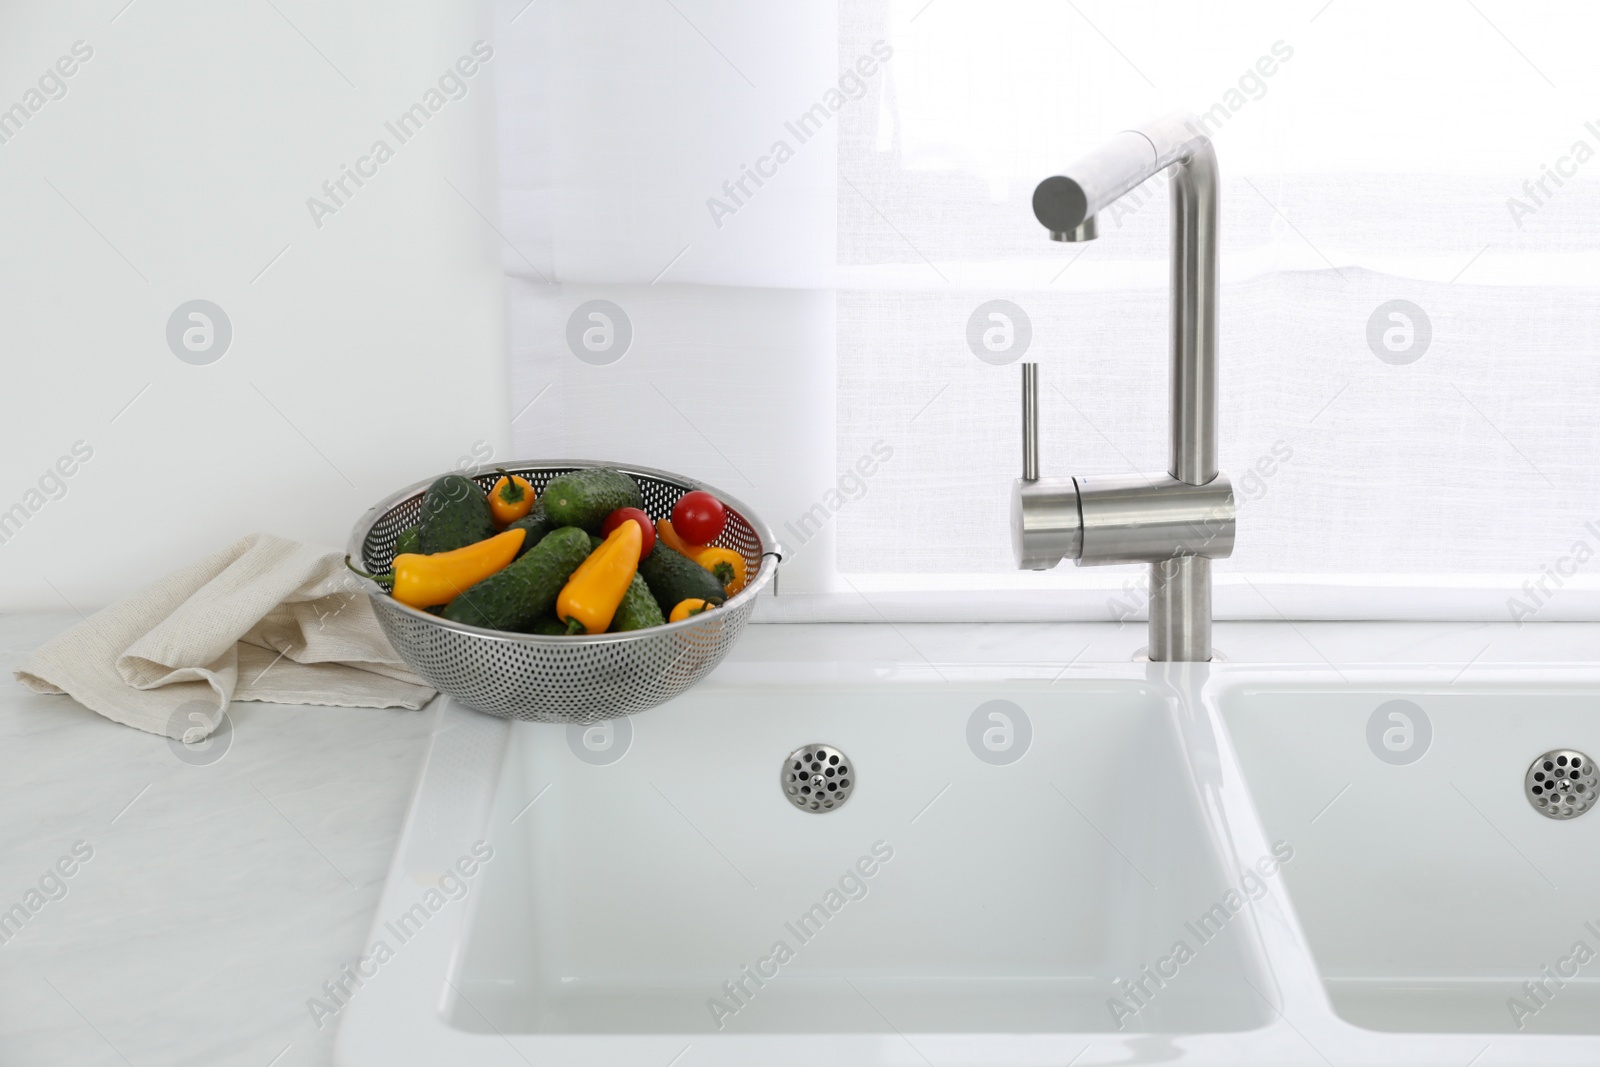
563 679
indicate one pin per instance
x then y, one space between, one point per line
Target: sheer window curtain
1409 217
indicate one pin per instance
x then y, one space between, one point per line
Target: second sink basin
1434 896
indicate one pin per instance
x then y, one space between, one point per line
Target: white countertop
220 897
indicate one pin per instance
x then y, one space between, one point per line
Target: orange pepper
591 596
511 498
685 608
669 537
422 581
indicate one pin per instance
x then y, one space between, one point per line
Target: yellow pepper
590 597
424 581
685 608
726 565
511 498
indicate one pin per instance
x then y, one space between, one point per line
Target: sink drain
817 778
1561 784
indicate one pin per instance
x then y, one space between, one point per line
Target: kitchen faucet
1179 520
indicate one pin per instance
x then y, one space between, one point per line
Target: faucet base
1180 610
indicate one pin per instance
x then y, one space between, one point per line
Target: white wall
369 355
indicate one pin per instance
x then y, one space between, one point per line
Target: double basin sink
1136 863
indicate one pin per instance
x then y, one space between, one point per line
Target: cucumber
674 577
585 497
527 588
408 541
454 513
638 608
537 523
548 625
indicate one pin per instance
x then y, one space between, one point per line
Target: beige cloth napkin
263 619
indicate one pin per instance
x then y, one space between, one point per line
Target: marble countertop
219 895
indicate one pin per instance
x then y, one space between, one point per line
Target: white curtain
1410 263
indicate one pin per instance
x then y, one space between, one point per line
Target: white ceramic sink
1431 891
552 902
678 890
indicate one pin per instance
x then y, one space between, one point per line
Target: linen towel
263 619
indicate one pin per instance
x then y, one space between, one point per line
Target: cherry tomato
699 517
646 527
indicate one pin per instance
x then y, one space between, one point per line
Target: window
1410 220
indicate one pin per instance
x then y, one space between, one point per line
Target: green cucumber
638 608
547 625
585 497
537 523
674 578
455 513
527 588
408 541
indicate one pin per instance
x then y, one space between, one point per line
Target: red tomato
646 527
699 517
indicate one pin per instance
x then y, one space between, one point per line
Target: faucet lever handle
1030 422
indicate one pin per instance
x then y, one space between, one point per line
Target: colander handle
776 552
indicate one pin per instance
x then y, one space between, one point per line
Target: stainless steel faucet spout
1066 201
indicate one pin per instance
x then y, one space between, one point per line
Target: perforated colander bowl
563 679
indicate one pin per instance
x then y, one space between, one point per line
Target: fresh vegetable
686 608
674 577
646 527
638 608
727 565
591 596
536 522
426 581
699 517
408 541
669 537
527 588
454 513
585 497
510 498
